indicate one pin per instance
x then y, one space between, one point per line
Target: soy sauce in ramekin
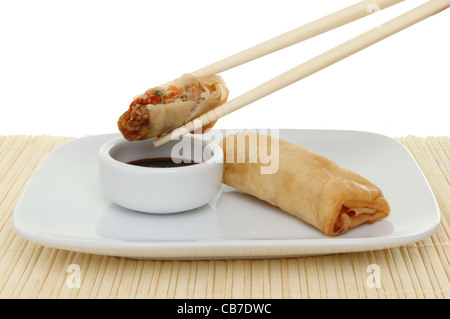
162 162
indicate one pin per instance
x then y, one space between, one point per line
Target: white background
71 68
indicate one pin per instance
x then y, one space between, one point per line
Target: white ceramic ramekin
161 190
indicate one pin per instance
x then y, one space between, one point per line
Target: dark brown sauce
162 162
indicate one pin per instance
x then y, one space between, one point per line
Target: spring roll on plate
305 184
162 109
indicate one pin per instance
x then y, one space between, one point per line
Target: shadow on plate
120 223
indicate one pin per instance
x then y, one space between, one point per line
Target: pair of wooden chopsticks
318 63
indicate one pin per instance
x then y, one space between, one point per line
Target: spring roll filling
136 122
171 94
347 215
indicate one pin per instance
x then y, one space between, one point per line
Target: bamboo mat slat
414 271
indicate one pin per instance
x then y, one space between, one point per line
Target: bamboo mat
27 270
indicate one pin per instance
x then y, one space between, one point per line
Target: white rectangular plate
63 206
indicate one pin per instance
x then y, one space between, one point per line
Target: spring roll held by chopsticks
160 110
306 185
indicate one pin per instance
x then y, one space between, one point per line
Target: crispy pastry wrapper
306 185
156 120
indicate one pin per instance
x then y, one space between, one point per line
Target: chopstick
312 66
307 31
